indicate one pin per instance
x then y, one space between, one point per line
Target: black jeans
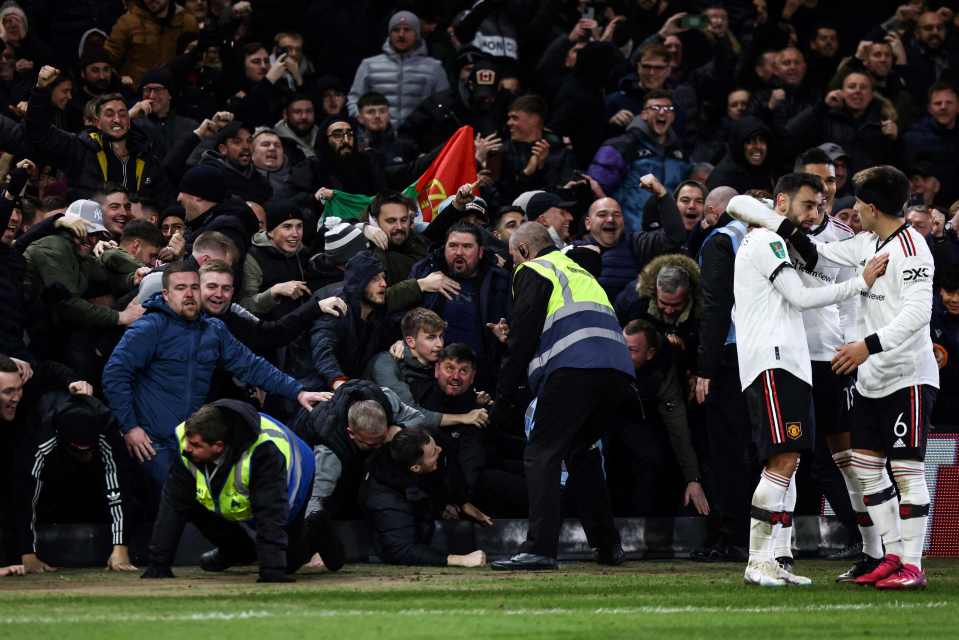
575 408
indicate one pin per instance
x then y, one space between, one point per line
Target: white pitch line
337 613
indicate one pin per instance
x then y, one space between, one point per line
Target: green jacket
403 292
54 262
121 270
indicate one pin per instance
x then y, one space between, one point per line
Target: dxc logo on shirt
915 275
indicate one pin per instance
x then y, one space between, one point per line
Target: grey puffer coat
405 79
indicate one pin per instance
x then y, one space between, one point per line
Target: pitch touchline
335 613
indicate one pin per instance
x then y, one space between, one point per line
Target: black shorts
780 413
832 399
896 424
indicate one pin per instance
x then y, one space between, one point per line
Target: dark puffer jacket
230 217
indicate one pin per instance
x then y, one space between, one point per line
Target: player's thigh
779 406
829 392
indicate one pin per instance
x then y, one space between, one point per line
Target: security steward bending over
243 480
565 337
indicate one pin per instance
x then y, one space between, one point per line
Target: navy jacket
160 372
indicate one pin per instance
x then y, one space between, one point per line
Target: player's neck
886 226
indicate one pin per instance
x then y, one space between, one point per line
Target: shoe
908 577
214 561
848 552
786 562
861 568
526 562
323 539
791 578
763 573
889 566
613 556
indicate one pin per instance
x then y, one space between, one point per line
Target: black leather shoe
213 561
525 562
709 554
613 556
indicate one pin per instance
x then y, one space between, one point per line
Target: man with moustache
299 124
284 166
113 153
161 371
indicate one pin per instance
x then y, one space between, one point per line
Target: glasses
661 108
341 133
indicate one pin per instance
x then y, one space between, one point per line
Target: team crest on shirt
778 250
794 430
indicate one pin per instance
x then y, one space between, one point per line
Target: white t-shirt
897 310
769 300
827 328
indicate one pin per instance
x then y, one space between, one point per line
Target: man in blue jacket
160 372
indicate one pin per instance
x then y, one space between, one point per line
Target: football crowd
191 331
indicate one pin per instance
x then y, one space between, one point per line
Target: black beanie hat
279 211
204 182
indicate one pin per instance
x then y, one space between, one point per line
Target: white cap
91 213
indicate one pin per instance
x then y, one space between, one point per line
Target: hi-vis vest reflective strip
233 503
102 161
578 311
735 231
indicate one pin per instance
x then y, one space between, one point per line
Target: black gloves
155 572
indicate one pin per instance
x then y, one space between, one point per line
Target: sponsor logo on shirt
872 296
919 274
815 274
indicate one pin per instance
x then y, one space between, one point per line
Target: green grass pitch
653 599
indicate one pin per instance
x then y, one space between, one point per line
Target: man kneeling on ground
238 471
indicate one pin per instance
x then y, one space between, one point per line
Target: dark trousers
574 409
237 544
732 455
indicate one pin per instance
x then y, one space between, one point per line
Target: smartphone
281 51
589 12
697 21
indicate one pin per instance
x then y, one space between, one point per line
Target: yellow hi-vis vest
581 330
138 163
233 503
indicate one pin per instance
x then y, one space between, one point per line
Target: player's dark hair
372 99
791 183
812 156
406 447
884 187
458 352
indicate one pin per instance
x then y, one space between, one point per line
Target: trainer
241 476
565 337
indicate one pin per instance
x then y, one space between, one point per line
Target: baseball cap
91 213
541 202
477 206
79 422
833 150
523 199
484 78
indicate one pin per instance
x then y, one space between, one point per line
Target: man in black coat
410 484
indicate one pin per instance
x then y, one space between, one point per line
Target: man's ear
409 341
